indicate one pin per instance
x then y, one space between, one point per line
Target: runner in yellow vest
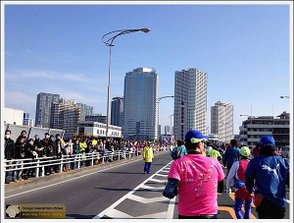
148 157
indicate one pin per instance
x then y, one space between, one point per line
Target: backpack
238 183
176 153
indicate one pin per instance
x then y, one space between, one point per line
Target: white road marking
161 175
119 214
158 181
152 188
153 215
109 211
147 200
171 208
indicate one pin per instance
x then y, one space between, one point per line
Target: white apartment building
13 116
222 121
190 102
140 104
98 129
254 128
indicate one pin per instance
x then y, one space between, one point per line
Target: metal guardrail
40 163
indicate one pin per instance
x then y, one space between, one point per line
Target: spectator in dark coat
9 146
39 148
46 152
23 134
30 153
53 152
20 154
9 154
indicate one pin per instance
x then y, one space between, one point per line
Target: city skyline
58 49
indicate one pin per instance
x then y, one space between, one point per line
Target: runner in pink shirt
196 178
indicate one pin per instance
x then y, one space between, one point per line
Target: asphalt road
118 190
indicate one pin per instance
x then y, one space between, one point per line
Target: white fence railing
39 164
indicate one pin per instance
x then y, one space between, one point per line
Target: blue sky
58 49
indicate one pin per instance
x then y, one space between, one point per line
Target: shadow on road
79 216
158 164
141 173
113 189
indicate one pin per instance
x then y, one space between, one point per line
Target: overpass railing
86 159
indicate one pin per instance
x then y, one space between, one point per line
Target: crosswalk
147 202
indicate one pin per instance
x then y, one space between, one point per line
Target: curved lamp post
157 101
160 98
108 39
284 96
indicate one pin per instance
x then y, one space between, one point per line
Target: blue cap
267 140
194 136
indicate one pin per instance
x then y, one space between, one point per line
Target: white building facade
140 104
97 129
13 116
190 102
222 116
254 128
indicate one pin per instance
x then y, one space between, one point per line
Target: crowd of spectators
74 152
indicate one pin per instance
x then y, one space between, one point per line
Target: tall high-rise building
140 104
43 108
190 102
117 110
86 110
222 121
167 129
65 115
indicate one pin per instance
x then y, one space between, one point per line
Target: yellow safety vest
148 154
83 146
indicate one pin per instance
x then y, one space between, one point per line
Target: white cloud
20 100
50 75
22 87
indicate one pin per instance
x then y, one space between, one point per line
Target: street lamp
158 100
167 96
171 125
108 39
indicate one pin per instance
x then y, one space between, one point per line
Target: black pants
199 217
269 210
